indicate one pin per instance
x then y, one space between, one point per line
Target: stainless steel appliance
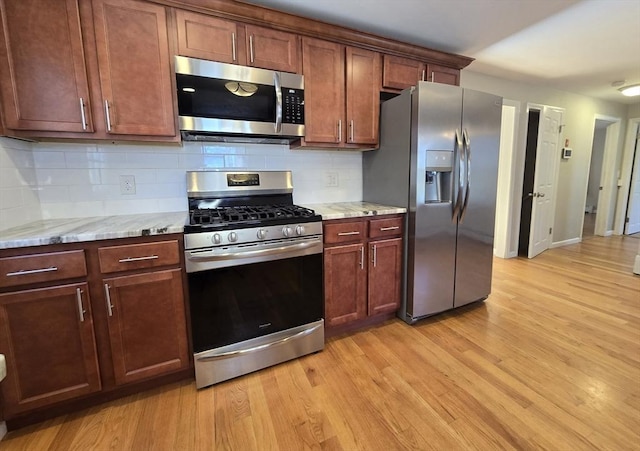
438 157
227 102
254 269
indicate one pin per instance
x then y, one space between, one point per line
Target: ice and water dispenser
439 170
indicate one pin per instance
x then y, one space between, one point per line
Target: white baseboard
608 233
565 242
3 429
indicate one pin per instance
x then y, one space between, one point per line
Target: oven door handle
239 352
278 249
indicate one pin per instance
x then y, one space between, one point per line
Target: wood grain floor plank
550 361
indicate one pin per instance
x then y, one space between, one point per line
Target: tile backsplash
19 201
76 180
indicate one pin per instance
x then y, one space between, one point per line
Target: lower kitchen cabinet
345 281
385 269
48 340
362 271
83 322
147 327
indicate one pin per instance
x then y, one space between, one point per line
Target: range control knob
262 234
286 231
233 237
299 230
216 238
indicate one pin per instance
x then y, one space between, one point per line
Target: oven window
225 99
234 304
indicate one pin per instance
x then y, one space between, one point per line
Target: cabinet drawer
138 256
385 227
343 232
26 269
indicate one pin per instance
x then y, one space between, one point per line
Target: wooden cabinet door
47 337
207 37
147 327
401 73
324 103
135 73
385 274
272 49
363 96
345 284
43 77
442 74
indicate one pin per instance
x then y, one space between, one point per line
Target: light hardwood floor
550 361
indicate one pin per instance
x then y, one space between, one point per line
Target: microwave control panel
293 106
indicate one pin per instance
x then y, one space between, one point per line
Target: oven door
267 291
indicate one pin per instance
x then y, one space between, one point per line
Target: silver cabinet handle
361 257
137 259
386 229
81 309
251 48
24 272
422 79
108 295
352 125
233 46
540 194
348 233
82 115
106 113
374 259
339 130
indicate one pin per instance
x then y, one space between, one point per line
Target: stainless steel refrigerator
438 157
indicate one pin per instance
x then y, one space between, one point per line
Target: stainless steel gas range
254 265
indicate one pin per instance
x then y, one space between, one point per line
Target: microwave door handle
278 88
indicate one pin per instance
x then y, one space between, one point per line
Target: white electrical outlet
331 179
127 184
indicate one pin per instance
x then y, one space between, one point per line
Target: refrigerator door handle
466 145
458 151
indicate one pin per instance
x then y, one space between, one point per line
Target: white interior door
544 181
633 209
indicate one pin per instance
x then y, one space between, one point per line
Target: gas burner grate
248 214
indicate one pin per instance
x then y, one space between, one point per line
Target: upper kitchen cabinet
341 95
215 39
43 75
133 58
83 69
400 73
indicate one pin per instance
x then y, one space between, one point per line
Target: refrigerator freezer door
432 233
481 117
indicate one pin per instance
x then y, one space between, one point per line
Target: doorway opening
533 124
594 185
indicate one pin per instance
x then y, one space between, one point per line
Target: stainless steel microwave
226 102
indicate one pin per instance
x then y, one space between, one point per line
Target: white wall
579 120
19 202
76 180
595 169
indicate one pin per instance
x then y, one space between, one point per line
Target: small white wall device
566 153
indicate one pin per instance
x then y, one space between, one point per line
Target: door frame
506 245
608 180
633 128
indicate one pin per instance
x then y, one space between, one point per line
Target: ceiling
580 46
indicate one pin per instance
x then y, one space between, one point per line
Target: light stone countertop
342 210
73 230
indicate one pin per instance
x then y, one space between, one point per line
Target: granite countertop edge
75 230
344 210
